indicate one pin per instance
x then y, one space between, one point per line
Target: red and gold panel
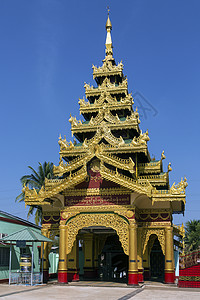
97 200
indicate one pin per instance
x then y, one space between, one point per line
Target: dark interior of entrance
112 264
157 262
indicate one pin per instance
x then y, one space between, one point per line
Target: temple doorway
113 263
157 262
101 256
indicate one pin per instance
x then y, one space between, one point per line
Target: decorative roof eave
177 202
107 73
107 100
32 197
95 107
156 180
107 86
92 92
153 166
108 69
103 118
175 193
124 164
70 166
125 181
98 151
107 148
93 128
150 167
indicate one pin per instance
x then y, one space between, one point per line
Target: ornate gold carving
129 214
155 224
70 166
125 164
179 188
146 233
104 132
105 99
107 69
31 195
141 140
65 215
64 144
106 86
151 167
96 191
163 155
108 220
103 115
157 180
169 168
126 181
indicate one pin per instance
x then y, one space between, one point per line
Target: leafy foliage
192 235
36 180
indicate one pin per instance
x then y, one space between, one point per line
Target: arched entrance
113 262
101 256
157 261
94 230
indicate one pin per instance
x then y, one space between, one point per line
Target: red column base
133 279
140 277
62 276
45 276
169 277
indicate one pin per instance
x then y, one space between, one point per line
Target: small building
8 225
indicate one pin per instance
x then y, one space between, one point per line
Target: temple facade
110 203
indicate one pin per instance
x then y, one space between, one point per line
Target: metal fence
24 278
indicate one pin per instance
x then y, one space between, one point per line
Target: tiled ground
96 291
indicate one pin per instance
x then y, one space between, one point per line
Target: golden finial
109 46
169 168
163 155
108 23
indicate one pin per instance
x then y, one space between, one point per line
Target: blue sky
47 50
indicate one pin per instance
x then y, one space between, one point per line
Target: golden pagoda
108 195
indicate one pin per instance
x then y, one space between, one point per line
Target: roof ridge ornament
108 44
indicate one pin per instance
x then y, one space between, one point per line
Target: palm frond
36 180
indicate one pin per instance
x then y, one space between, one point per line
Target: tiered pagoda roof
110 137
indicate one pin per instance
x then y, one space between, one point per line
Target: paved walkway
97 292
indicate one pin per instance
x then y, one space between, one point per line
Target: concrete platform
97 291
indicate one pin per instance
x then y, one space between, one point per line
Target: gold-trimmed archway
112 220
146 235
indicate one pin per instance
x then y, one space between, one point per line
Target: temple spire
108 36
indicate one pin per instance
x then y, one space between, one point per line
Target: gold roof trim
155 180
57 186
108 69
122 87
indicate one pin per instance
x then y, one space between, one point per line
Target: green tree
192 235
36 180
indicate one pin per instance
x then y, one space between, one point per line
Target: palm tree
192 235
36 180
